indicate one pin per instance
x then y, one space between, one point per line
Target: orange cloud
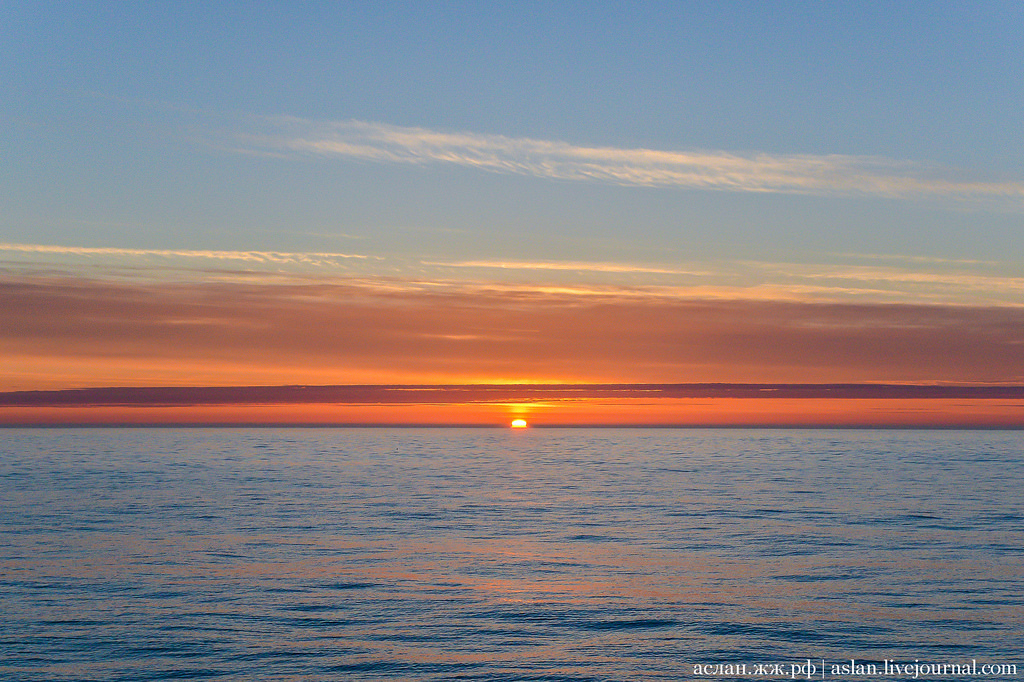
61 333
79 333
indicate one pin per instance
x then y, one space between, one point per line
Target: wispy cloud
935 282
756 280
251 256
574 266
715 170
907 258
958 281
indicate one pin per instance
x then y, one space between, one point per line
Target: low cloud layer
192 396
711 169
68 333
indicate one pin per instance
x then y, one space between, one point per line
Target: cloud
115 333
914 259
713 170
164 396
967 284
277 257
1012 287
575 266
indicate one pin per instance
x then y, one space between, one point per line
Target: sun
518 423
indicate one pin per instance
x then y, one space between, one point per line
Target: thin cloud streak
419 394
720 280
958 281
712 170
575 266
914 259
280 257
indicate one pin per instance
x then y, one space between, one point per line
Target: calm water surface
422 554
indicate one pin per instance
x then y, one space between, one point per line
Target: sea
501 554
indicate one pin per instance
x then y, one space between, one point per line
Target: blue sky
124 116
815 152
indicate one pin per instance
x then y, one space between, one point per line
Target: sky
215 194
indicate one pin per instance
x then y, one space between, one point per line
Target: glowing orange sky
74 332
693 413
638 405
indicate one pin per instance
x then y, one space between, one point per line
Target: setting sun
518 423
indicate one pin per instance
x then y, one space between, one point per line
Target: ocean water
485 554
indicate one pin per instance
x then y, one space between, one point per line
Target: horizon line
880 426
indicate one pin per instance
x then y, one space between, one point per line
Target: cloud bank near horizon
829 174
458 394
61 333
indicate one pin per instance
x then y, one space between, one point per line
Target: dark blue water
368 554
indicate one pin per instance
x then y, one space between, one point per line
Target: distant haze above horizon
522 405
